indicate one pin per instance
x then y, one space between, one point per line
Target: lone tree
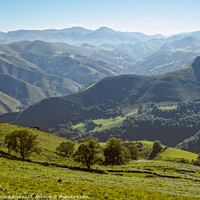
66 148
22 141
89 152
157 148
134 152
115 152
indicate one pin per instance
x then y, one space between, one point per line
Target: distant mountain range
76 35
44 67
109 95
32 71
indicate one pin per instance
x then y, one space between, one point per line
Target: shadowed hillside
108 96
191 144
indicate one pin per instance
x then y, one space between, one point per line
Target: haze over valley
45 67
100 99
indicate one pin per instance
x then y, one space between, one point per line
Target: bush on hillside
134 152
89 152
157 148
115 152
66 148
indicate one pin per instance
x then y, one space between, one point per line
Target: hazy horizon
96 29
149 17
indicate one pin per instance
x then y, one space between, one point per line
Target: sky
165 17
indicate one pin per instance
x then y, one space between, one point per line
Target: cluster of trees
77 114
90 152
115 152
183 109
109 108
170 126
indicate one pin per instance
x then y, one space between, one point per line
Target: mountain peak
104 28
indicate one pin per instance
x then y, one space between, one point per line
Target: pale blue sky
148 16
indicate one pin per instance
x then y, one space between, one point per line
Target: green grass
106 124
178 153
146 143
140 179
47 142
168 107
102 144
21 178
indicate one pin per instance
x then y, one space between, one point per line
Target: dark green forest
170 124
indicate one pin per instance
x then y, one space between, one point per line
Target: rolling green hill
55 69
69 61
58 69
174 153
108 96
47 142
21 69
22 91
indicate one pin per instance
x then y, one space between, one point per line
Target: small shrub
157 148
134 152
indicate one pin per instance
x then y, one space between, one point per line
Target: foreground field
138 180
49 175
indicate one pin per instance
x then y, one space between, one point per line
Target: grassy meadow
138 180
105 124
178 153
142 179
168 107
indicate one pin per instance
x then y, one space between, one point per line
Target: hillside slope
55 69
8 104
191 144
20 90
21 69
164 61
108 96
48 173
46 140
